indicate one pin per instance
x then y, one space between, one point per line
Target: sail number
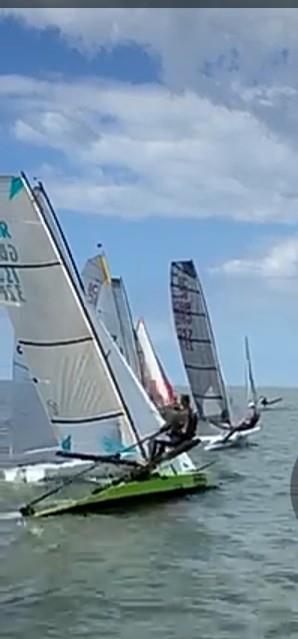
10 286
185 335
92 293
182 309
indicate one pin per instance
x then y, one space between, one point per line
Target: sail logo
66 443
112 446
4 231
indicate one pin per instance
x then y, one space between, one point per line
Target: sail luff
61 234
78 295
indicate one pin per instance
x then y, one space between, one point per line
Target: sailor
251 420
181 425
263 400
190 418
200 410
246 424
173 424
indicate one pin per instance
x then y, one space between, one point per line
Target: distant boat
261 401
252 394
127 329
107 295
97 408
265 403
199 354
109 298
154 377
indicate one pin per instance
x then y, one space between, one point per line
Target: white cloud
220 140
240 58
188 41
139 151
279 263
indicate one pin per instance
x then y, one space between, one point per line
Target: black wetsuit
246 424
182 429
249 423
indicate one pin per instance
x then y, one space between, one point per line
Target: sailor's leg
158 448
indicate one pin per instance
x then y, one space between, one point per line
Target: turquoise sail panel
16 185
66 444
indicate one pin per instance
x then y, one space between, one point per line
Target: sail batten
55 344
29 265
89 420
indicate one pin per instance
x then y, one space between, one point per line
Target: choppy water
221 565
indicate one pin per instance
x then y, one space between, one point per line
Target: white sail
93 275
62 347
126 326
142 409
106 312
54 224
252 391
197 344
20 370
108 296
100 295
154 378
31 430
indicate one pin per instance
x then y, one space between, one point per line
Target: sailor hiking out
248 423
181 426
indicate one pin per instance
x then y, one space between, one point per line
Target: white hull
48 472
40 473
238 439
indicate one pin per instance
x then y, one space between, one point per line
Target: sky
167 134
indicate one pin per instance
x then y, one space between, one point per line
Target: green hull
125 495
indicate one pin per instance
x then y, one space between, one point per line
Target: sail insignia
16 185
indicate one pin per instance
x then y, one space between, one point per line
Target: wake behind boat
199 354
93 399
